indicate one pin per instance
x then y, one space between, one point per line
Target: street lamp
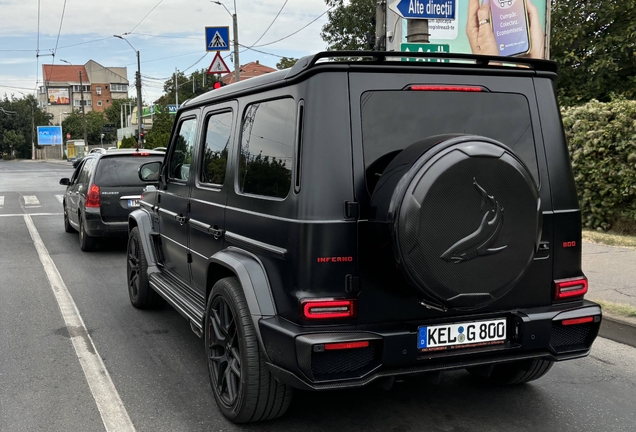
138 84
82 97
237 66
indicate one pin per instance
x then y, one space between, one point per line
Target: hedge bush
602 143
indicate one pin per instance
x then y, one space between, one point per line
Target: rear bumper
297 358
96 227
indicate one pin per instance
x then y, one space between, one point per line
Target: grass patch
619 309
609 238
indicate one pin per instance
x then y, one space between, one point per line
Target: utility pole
83 110
237 65
176 88
139 125
380 25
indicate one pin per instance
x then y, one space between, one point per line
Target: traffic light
218 85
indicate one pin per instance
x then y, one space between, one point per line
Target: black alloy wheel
241 381
224 352
142 296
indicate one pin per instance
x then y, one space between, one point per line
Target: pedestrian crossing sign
217 38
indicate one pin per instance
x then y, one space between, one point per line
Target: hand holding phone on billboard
512 30
509 20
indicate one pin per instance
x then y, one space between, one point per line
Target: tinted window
121 170
393 120
85 174
179 168
267 147
217 140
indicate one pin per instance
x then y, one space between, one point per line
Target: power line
300 29
259 51
160 1
60 29
271 24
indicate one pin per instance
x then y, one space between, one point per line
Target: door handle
216 232
181 218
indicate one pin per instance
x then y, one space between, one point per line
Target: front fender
142 219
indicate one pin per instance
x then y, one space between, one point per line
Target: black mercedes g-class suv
360 217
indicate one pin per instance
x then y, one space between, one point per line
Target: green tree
198 82
74 125
128 142
349 23
159 135
286 62
22 116
594 43
13 142
113 112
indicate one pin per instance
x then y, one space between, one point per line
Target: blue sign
49 135
217 38
424 9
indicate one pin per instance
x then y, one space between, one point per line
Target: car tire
67 225
142 296
517 372
87 243
243 386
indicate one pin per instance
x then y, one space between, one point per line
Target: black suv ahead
103 190
344 222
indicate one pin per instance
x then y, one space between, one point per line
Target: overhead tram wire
297 31
271 24
142 20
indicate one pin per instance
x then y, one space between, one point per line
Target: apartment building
66 85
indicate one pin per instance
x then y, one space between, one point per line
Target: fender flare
251 274
141 219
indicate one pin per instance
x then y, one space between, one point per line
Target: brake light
141 154
568 288
328 309
92 198
346 345
576 321
446 88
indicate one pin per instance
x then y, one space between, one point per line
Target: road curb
618 329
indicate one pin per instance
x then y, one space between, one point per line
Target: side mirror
65 182
149 172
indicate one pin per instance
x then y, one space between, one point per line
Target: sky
168 34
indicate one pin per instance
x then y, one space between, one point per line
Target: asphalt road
157 368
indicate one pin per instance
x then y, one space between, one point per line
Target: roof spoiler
395 57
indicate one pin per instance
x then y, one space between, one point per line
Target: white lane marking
31 214
31 200
114 414
59 198
1 201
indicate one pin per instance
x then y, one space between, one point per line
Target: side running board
184 299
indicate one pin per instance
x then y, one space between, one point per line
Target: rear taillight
328 309
576 321
346 345
568 288
92 198
446 88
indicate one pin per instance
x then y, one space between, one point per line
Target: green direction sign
422 47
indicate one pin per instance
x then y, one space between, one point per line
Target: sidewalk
611 273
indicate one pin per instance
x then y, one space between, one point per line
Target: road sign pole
237 65
380 26
417 31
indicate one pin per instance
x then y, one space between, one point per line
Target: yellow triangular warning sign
218 66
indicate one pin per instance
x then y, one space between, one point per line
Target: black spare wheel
465 218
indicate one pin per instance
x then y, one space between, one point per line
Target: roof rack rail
469 60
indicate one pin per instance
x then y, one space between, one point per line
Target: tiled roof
249 70
64 73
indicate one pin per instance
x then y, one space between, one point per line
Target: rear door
119 184
174 197
210 189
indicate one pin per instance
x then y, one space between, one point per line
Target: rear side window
87 169
217 140
181 158
393 120
267 148
121 170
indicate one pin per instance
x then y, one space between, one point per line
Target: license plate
133 203
462 335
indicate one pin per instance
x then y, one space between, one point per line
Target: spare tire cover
466 221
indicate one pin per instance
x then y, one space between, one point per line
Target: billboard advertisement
486 27
58 96
49 135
